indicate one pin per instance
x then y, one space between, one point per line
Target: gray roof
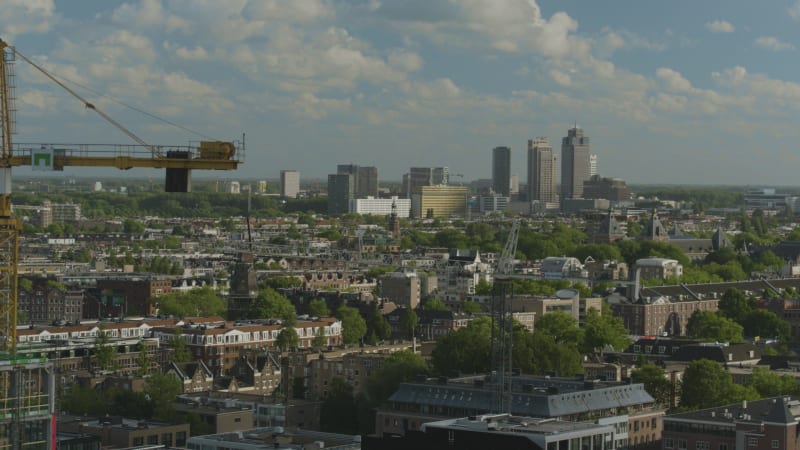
778 410
547 398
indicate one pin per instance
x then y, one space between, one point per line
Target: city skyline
392 85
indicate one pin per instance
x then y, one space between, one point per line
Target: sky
678 92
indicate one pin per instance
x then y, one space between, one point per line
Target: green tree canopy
287 339
378 327
162 390
338 413
734 305
180 349
408 322
770 384
764 323
708 325
354 327
318 308
270 304
435 304
655 383
203 301
562 326
603 331
538 353
467 349
707 384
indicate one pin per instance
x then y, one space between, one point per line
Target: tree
408 322
271 304
203 302
603 331
734 305
467 349
179 347
377 326
770 384
338 413
760 322
708 325
655 383
471 307
707 384
354 327
318 308
399 367
282 282
144 361
162 390
287 338
131 226
320 340
483 287
105 354
562 326
435 304
538 353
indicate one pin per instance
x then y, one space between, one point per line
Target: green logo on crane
42 159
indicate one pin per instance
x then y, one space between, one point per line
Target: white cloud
773 43
26 16
720 26
197 54
295 11
405 60
560 77
308 105
794 11
675 81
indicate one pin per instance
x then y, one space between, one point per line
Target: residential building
575 163
47 302
401 287
439 201
565 300
195 376
461 272
341 189
608 230
658 268
558 267
501 171
381 206
541 171
120 432
223 419
659 316
290 183
492 203
766 424
125 296
63 213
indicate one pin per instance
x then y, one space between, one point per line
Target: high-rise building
290 183
424 176
501 170
365 179
575 163
439 201
541 171
514 183
340 192
592 165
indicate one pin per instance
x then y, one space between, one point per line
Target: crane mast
9 226
503 322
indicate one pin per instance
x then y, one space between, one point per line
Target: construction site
28 389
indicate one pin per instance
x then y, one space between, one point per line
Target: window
774 443
681 444
669 443
152 439
752 441
138 441
723 446
702 445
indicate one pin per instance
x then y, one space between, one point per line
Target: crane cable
89 105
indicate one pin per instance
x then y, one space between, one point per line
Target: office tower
541 171
575 163
365 179
501 170
290 183
592 165
340 191
439 201
424 176
514 183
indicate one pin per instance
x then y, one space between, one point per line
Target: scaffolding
27 403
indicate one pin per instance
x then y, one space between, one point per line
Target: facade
119 432
424 176
47 303
125 296
541 171
341 189
439 201
659 316
401 288
559 267
63 213
592 165
765 424
488 204
290 183
501 171
571 304
613 189
274 438
658 268
608 230
365 179
381 206
415 404
575 163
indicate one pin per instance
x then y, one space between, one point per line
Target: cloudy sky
669 92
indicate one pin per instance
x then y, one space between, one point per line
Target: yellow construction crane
177 160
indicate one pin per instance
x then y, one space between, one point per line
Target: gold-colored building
439 201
